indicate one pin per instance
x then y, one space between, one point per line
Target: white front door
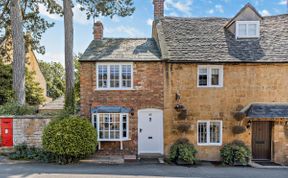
150 131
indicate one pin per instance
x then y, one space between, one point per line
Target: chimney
158 9
98 30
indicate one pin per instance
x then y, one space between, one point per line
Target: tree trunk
18 52
69 67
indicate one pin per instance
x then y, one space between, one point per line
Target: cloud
217 8
79 16
123 31
149 22
43 11
183 6
283 2
265 12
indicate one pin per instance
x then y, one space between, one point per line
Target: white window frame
209 76
121 138
257 23
120 76
208 143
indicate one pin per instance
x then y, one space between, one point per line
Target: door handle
140 130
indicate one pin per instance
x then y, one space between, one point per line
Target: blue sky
139 24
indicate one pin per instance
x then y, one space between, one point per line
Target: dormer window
247 29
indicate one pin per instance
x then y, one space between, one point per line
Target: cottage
211 80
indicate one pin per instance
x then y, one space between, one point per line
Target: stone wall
147 92
243 84
28 129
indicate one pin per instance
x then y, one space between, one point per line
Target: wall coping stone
26 117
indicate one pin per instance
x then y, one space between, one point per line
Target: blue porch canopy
110 109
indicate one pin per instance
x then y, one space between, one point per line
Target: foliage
238 129
23 152
235 153
6 91
34 93
77 80
54 74
33 23
184 151
71 139
13 108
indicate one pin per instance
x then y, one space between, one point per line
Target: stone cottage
211 80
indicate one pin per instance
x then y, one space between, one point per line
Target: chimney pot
158 9
98 30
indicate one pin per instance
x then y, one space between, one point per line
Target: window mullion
121 127
209 76
208 132
108 76
120 76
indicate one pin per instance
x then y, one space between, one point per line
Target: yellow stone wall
243 84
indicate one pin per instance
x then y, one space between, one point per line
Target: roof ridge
194 18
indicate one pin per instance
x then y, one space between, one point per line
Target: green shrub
235 153
182 150
13 108
71 139
23 152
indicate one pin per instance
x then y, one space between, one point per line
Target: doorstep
104 160
256 165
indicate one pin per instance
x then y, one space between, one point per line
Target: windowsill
114 89
209 86
209 144
248 38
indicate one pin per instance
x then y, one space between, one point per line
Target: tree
34 25
18 52
69 68
54 74
93 8
34 93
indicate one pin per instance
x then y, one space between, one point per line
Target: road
132 170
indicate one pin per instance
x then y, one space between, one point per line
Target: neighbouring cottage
211 80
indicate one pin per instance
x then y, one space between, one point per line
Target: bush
235 153
71 139
13 108
23 152
182 150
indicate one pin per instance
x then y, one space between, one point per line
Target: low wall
28 129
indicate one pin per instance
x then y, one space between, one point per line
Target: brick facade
147 93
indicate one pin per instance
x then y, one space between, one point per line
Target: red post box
7 132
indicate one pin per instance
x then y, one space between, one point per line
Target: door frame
162 127
271 144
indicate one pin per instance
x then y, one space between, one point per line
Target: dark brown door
261 140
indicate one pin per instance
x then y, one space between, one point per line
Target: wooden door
261 140
7 132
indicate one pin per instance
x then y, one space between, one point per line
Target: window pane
252 29
203 79
242 30
202 132
114 76
102 76
215 129
215 77
126 76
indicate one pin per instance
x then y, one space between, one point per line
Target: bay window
114 76
111 126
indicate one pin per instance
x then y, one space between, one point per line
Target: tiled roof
126 49
266 110
206 40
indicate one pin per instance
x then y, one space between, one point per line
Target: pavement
20 169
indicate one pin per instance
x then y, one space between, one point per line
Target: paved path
88 170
